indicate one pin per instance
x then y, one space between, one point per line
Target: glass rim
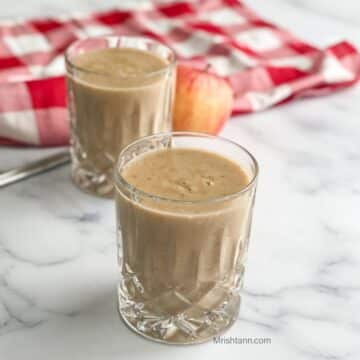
71 64
120 179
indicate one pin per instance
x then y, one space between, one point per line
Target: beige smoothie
183 255
115 96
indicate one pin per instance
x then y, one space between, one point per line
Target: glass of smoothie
184 206
119 89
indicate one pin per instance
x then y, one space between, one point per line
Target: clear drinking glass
108 110
182 262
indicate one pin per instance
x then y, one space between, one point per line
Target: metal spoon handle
34 168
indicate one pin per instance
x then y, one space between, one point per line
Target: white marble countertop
302 288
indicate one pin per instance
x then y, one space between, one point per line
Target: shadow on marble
94 332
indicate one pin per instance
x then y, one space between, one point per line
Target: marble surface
57 245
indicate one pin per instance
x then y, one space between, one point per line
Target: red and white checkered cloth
265 64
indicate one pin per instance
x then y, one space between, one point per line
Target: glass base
93 183
192 326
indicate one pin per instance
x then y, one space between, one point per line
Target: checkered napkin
265 64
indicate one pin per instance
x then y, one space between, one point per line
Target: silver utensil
34 168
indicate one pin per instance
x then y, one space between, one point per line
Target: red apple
203 101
